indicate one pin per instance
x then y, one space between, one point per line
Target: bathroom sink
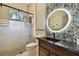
51 39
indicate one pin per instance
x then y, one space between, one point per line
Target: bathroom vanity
48 47
62 31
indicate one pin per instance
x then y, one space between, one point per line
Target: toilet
31 49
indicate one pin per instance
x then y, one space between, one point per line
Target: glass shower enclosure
16 30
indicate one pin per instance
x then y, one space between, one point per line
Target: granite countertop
70 46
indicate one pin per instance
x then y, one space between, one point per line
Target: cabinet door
52 54
60 51
43 52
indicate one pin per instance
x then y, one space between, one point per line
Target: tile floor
28 54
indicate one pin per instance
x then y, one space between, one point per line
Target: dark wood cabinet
43 51
48 49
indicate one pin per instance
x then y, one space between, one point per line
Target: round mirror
58 20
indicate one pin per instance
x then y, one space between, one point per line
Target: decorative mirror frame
69 20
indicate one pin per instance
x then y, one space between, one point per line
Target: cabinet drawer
56 52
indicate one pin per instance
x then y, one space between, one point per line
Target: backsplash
71 34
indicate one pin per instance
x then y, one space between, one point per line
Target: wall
40 19
40 13
4 14
39 10
22 6
71 33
